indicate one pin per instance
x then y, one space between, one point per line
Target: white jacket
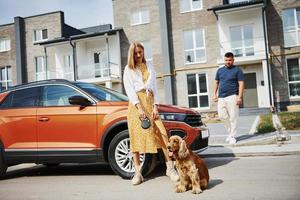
133 83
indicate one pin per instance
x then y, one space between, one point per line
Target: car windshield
102 93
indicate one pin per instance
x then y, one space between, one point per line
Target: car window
102 93
57 95
21 98
6 103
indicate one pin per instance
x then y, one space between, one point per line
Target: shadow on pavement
60 170
213 183
244 137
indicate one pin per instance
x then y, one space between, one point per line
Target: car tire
121 160
3 166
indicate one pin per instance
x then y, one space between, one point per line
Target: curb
260 147
248 154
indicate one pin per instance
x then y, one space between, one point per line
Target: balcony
245 51
94 73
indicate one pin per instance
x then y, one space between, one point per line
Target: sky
78 13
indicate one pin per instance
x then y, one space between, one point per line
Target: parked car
58 121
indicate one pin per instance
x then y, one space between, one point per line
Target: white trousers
228 112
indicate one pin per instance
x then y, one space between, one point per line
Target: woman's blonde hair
131 62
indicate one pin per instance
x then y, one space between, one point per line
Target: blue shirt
228 79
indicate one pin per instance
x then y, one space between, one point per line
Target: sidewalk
249 144
256 148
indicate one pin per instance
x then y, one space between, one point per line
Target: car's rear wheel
121 159
3 166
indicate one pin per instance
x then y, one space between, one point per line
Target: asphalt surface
245 178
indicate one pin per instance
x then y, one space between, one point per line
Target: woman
141 88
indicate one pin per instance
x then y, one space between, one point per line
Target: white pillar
266 83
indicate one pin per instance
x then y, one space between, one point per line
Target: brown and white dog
192 170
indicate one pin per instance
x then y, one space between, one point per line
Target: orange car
57 121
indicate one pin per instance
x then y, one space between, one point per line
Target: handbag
145 123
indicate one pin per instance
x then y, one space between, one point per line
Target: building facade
7 56
185 40
44 47
197 33
283 22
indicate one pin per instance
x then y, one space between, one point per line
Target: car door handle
43 119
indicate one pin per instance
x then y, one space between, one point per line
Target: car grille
193 120
199 143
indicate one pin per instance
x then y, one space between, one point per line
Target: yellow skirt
145 140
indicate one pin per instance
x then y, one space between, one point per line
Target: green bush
265 125
290 120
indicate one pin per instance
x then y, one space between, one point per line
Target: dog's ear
183 150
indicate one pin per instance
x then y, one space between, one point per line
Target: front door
63 128
250 93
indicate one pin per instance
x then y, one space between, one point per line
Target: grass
290 120
265 125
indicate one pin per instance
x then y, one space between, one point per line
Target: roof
236 5
80 36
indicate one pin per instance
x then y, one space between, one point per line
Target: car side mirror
79 100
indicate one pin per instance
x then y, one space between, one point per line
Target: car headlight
172 116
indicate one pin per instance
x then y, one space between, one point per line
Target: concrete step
253 111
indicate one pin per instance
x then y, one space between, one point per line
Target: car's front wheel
3 166
121 158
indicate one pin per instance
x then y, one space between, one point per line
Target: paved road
259 178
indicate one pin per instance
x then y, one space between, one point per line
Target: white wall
242 17
262 90
60 52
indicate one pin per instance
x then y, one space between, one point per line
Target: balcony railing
91 72
244 48
98 71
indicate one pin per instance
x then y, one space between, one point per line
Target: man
230 83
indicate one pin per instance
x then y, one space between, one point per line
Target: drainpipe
169 82
281 133
74 59
46 62
267 59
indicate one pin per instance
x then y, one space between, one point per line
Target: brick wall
51 22
8 58
276 45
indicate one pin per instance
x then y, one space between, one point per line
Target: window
148 51
197 91
40 35
294 77
190 5
291 27
5 78
21 98
194 46
101 64
242 43
40 68
57 95
140 17
4 44
102 93
68 67
237 1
